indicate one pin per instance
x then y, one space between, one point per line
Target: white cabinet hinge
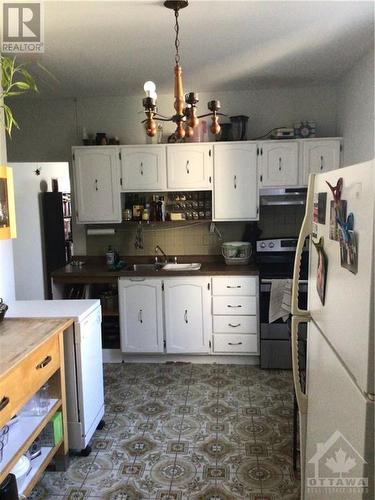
162 287
209 344
210 153
120 181
208 286
74 157
119 155
164 344
210 179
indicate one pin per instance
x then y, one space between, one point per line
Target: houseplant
15 80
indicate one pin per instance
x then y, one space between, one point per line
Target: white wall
6 250
355 117
50 127
27 247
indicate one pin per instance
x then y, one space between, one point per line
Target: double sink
189 266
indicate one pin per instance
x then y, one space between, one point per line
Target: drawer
238 306
43 363
237 324
27 377
235 343
234 285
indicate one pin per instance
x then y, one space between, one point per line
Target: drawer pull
234 343
44 363
238 286
186 316
228 305
234 326
4 402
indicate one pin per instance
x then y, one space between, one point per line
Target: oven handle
306 231
265 285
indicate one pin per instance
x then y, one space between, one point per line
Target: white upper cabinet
278 163
141 326
319 155
97 184
143 168
189 166
187 315
236 192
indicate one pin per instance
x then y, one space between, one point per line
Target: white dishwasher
83 362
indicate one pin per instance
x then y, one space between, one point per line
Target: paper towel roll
100 232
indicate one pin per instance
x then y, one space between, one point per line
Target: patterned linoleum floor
183 431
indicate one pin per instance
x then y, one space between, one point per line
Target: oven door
275 350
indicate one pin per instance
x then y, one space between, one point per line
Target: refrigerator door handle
306 230
300 396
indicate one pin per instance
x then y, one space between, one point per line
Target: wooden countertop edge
65 323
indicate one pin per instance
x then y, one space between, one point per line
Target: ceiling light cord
177 40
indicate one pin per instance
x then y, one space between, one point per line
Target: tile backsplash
195 238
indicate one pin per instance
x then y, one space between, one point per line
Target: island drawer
240 343
238 306
236 324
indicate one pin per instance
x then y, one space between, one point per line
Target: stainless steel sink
191 266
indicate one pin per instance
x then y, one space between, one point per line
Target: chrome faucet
158 249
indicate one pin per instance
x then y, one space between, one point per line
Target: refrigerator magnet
316 203
348 244
336 211
322 205
321 271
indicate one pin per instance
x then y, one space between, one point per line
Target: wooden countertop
19 337
96 271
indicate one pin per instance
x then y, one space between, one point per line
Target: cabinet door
189 166
143 168
279 163
319 156
141 328
187 315
97 185
236 193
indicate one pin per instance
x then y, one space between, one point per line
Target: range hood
295 195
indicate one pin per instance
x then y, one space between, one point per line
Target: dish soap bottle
110 256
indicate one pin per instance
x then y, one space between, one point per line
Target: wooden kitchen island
31 355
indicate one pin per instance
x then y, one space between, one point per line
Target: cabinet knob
235 181
187 167
96 184
141 168
321 162
280 164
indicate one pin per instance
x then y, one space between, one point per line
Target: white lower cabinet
235 315
187 315
141 319
174 315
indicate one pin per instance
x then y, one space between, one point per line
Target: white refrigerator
336 409
83 362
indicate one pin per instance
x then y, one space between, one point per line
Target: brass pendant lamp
186 117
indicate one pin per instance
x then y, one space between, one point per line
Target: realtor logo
23 28
336 467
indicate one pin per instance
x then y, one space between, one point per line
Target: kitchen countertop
96 271
19 337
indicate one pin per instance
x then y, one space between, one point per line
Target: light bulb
150 88
153 95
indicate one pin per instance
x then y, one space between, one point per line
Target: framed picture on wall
7 209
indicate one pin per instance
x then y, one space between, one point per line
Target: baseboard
116 356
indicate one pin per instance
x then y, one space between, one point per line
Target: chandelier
186 117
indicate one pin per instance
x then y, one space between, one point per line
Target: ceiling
111 48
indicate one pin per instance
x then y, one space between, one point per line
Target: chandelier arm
177 40
211 114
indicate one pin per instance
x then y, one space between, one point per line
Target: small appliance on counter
236 252
282 133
